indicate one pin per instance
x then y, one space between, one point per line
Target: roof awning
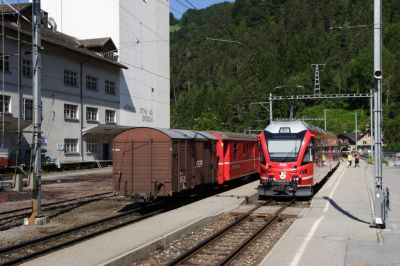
11 123
104 130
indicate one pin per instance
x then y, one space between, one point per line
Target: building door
106 154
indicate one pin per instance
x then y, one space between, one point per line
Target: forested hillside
276 41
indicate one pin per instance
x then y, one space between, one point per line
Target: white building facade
80 94
140 31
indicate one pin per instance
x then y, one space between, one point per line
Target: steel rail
240 248
66 205
4 252
54 203
186 255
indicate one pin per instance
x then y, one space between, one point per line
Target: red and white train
294 157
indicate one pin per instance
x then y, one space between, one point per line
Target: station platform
118 247
336 229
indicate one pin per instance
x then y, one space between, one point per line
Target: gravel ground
81 215
186 242
251 256
257 250
57 189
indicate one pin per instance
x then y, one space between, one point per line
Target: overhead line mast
381 199
37 217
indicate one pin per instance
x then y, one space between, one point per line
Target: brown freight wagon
152 162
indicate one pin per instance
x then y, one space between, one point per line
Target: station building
80 92
105 67
140 31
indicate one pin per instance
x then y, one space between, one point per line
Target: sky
178 7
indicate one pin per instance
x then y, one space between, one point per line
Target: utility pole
270 108
325 110
371 127
380 206
36 217
317 83
355 120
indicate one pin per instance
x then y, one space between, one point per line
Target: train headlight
303 171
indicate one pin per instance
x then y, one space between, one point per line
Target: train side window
308 158
245 150
235 151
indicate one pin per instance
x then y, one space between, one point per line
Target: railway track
10 219
226 244
28 250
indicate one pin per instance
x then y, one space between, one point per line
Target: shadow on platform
337 207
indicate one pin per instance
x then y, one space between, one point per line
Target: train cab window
308 156
235 151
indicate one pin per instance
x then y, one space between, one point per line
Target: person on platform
357 159
349 159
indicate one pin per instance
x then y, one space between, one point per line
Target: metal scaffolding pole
379 194
37 113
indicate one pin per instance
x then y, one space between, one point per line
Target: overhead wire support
222 40
321 96
317 82
37 216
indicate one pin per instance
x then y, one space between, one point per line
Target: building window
28 107
91 83
27 68
109 87
5 103
91 146
110 116
91 114
70 145
70 111
70 78
6 60
364 142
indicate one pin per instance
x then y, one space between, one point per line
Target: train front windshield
283 147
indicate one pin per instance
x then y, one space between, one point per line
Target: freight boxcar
151 162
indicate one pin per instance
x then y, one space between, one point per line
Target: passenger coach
294 157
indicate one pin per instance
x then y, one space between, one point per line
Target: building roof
96 42
351 136
10 9
57 38
104 130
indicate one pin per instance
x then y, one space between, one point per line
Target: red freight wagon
237 155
